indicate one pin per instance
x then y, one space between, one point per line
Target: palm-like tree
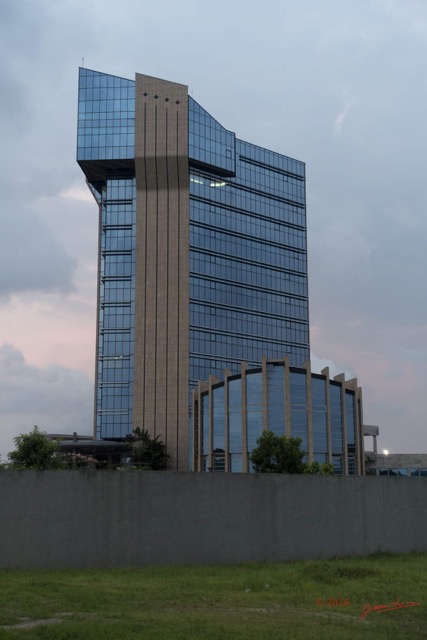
147 453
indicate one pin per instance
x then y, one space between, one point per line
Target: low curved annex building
229 416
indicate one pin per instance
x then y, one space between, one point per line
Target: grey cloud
279 75
57 399
36 158
30 258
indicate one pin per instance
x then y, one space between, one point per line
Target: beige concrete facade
162 264
395 463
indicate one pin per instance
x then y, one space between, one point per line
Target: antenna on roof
83 62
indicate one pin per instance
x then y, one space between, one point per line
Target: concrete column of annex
359 433
212 381
264 383
195 427
352 385
307 367
287 398
245 457
162 264
227 374
325 372
202 387
341 379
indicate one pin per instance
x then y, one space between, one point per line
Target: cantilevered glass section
106 119
210 144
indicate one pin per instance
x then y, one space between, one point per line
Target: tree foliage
35 450
147 453
277 454
325 469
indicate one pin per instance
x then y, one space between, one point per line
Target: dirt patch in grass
27 623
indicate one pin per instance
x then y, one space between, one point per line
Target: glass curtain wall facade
106 130
326 414
248 252
243 255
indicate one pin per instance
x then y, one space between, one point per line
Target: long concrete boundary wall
84 519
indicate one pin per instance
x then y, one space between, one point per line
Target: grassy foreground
299 601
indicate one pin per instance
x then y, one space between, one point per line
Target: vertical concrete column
264 394
307 367
227 374
195 401
352 385
325 373
341 379
284 361
245 462
197 419
201 389
359 443
288 403
212 380
162 264
359 433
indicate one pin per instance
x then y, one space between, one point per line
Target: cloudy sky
339 84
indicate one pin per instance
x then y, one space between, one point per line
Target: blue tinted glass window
299 407
336 418
205 424
318 394
114 385
218 419
235 415
276 399
236 462
106 117
254 408
209 142
248 256
351 431
337 462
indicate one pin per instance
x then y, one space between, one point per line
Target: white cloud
343 115
77 192
317 364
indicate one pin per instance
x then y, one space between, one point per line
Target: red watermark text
381 608
332 602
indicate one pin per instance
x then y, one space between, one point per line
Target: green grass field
301 601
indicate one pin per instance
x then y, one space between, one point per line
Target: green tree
147 453
277 454
326 469
34 450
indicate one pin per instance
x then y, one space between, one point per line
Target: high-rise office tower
202 253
